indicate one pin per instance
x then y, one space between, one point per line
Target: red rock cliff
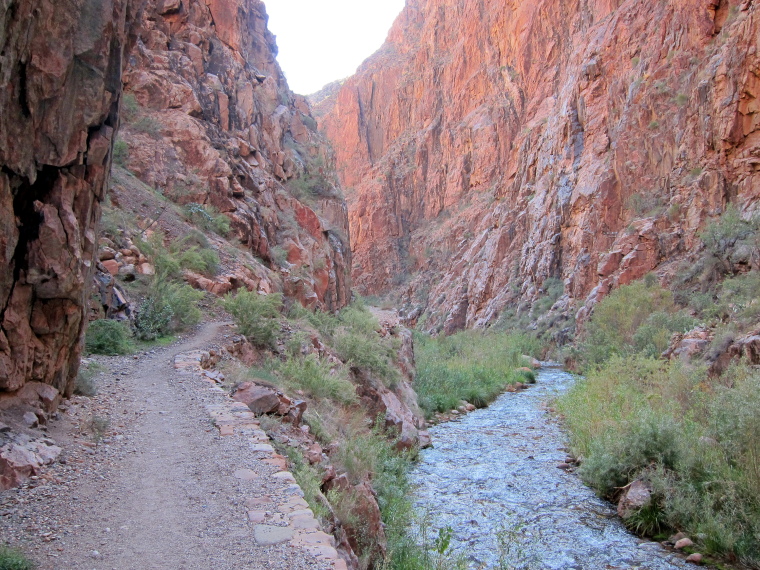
492 144
60 84
218 126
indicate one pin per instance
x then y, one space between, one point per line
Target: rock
56 135
21 458
532 133
128 272
266 535
112 266
106 254
296 412
206 75
260 399
30 419
637 495
368 513
695 558
683 543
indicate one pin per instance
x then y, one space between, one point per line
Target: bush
205 261
469 365
317 379
696 442
148 125
120 152
639 317
153 318
360 345
257 316
208 218
109 337
12 559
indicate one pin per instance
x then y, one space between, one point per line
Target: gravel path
162 489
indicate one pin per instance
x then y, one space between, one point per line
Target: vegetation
257 316
637 318
691 437
470 365
696 441
317 379
208 218
12 559
85 382
108 337
120 152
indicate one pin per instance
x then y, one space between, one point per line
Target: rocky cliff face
491 145
213 124
60 72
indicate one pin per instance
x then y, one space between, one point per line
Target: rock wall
490 145
60 79
214 123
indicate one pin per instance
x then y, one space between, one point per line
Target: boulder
637 495
260 399
22 457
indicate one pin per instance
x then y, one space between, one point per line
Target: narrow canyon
246 327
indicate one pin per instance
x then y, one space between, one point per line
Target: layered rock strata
214 124
60 73
489 146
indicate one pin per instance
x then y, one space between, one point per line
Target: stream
492 477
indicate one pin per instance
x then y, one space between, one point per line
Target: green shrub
153 318
120 152
84 385
553 289
148 125
317 379
697 443
469 365
257 316
365 352
360 345
12 559
182 301
107 336
724 236
208 218
634 318
205 261
130 108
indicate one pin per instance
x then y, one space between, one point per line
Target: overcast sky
324 40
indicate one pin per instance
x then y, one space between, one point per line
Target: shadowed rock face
60 83
219 126
490 145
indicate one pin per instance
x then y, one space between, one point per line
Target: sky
321 41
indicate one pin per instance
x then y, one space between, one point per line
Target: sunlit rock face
215 124
60 72
491 144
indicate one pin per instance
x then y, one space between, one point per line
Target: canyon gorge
498 166
490 146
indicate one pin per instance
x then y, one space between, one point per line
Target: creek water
492 477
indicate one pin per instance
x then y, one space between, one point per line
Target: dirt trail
161 493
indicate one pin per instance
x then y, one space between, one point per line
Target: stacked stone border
281 517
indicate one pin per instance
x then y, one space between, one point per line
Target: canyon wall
490 145
207 120
214 124
60 73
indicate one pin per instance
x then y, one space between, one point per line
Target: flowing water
492 477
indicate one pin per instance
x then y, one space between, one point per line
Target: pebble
696 558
